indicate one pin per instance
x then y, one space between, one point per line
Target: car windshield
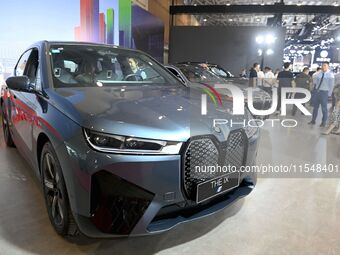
199 74
87 65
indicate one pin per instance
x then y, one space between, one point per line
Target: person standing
323 88
285 79
260 78
302 80
243 73
253 75
269 80
317 72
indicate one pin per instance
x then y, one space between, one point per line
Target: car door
24 113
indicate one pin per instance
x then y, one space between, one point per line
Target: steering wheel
140 78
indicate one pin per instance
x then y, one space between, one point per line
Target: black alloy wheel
55 194
5 127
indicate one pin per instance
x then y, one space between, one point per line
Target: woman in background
334 120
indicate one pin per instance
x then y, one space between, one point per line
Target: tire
5 127
55 194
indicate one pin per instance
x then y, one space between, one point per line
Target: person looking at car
136 69
285 79
302 80
253 75
323 89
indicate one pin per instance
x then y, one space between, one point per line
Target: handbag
315 91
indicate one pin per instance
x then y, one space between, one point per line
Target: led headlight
129 145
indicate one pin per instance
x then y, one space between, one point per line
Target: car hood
170 113
258 93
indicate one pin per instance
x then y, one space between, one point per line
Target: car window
32 70
86 65
219 72
21 65
174 72
199 74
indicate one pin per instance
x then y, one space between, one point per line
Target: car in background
193 74
116 141
220 72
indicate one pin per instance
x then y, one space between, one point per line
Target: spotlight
260 39
270 52
270 39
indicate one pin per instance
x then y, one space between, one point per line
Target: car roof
196 63
39 43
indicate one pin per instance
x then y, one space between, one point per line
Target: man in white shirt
260 77
268 80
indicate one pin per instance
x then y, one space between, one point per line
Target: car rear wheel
55 194
5 127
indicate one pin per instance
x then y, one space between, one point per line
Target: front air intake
117 205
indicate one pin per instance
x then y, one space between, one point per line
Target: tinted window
174 72
199 74
85 65
21 65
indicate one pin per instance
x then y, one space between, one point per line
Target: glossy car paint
60 115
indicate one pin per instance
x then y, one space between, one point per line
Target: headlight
129 145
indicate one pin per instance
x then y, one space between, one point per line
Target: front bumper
128 195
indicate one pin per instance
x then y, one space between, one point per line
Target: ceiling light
270 39
260 39
270 52
205 20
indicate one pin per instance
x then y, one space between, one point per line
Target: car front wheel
55 194
5 126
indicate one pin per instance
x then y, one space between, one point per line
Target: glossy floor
282 216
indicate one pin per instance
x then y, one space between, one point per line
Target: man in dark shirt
302 80
285 78
253 75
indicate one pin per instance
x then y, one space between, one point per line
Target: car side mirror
21 83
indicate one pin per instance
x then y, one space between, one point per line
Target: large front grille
204 152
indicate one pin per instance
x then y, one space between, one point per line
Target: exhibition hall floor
281 216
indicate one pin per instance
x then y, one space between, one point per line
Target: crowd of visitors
322 84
